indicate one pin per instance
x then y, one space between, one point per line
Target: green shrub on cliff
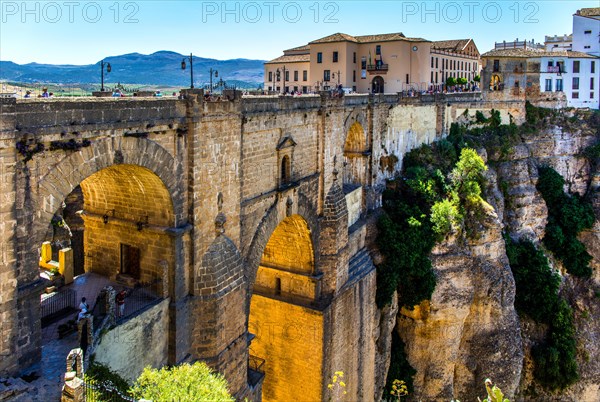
537 285
433 197
568 215
537 296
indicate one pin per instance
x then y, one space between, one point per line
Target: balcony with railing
377 67
256 371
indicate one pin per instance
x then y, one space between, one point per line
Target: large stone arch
67 174
272 218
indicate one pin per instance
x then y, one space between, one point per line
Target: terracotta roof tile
292 58
298 49
336 37
589 12
454 45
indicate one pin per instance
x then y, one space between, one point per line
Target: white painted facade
577 77
586 33
564 42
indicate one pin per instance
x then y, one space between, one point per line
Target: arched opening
287 325
496 83
377 85
356 162
110 230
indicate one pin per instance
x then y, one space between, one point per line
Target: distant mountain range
160 68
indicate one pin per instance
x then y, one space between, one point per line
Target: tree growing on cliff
185 383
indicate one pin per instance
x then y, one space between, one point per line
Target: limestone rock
383 344
471 330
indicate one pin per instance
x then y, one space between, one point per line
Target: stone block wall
103 247
139 342
290 339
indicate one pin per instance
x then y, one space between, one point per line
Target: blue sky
83 32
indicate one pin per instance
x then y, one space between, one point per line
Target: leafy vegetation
537 296
185 383
437 191
537 285
567 216
98 373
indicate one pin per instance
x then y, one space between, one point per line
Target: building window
436 62
278 74
432 62
363 63
550 63
354 57
287 75
587 32
575 95
286 171
575 66
353 75
496 66
591 95
270 75
593 67
305 75
592 83
575 83
304 89
407 78
431 77
559 85
335 57
436 77
587 47
548 85
295 75
319 57
326 75
378 49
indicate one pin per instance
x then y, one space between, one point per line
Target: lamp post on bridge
216 74
108 69
278 74
190 58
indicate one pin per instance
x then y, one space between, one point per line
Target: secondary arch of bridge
283 312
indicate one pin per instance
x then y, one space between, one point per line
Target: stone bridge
258 208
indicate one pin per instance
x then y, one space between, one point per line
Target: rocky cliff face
470 329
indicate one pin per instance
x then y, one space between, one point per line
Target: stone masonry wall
137 343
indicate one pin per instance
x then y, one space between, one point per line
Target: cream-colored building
289 73
454 58
371 63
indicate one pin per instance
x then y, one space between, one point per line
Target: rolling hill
160 68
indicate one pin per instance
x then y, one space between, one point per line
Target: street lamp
216 74
108 69
190 58
278 72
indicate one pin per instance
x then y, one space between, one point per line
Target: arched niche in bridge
116 222
355 157
284 319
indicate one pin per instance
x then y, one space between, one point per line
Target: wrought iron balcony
377 67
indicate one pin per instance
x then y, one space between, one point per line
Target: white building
556 42
586 31
574 73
